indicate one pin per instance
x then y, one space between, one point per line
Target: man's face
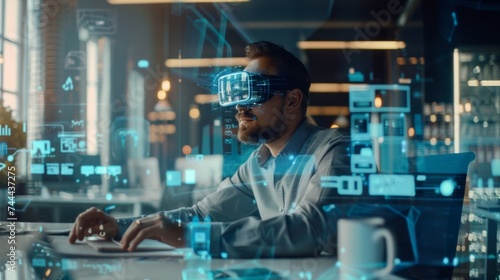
264 122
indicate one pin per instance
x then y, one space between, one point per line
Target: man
274 205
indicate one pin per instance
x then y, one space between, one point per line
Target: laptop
426 225
110 246
52 257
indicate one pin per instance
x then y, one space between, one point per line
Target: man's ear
294 99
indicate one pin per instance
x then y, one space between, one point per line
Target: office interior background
102 99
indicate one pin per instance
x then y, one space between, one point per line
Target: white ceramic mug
361 248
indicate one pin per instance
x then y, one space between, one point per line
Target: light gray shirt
274 206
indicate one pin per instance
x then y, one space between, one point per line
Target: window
10 51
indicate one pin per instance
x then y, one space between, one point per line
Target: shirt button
281 209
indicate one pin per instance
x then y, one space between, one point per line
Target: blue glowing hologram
72 142
355 76
391 185
67 168
38 262
393 125
246 270
68 145
40 148
447 187
100 170
173 178
495 167
87 170
345 185
68 84
143 63
69 264
200 236
194 157
392 98
97 21
109 197
130 138
75 60
203 171
3 149
114 170
360 128
128 133
75 123
245 273
5 130
328 208
52 168
362 157
37 168
190 176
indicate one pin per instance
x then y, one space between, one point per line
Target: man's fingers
72 235
87 223
130 234
141 235
138 227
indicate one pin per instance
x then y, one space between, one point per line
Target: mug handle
391 250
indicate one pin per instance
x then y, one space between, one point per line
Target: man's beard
257 134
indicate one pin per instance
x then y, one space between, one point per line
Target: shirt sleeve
229 203
305 231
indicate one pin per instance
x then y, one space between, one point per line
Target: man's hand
93 221
156 227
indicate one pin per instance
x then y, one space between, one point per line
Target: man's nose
240 107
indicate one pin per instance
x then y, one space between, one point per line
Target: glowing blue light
397 261
447 187
109 196
446 260
143 63
223 255
109 208
38 262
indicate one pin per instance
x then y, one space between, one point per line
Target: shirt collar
292 147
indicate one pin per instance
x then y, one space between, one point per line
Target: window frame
18 108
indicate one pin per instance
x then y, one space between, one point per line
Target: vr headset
247 88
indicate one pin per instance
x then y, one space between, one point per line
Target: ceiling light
490 83
332 87
118 2
205 62
483 83
327 110
206 98
360 45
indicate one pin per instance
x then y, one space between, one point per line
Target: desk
66 207
191 267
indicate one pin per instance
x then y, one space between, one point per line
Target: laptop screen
426 223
